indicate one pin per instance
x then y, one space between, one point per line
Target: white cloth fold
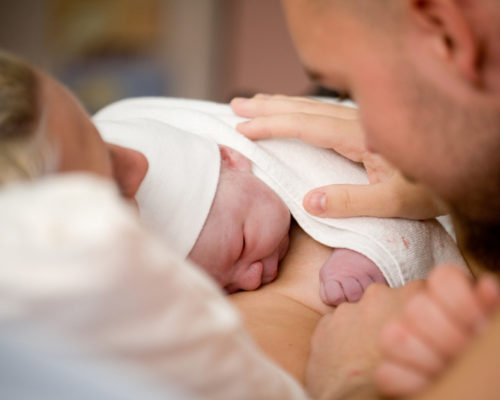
75 260
179 187
403 250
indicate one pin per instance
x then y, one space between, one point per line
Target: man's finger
341 135
488 293
393 379
262 105
341 201
446 337
454 291
400 345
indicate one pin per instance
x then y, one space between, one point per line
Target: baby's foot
346 275
435 326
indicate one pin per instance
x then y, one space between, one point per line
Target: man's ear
448 34
235 159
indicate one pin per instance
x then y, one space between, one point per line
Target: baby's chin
284 245
230 289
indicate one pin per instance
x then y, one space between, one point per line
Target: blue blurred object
100 81
39 365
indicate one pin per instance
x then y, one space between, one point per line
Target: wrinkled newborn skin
246 235
246 232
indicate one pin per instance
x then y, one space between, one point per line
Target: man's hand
434 328
337 127
344 347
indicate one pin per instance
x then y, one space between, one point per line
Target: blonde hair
25 151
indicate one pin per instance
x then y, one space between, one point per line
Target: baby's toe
331 293
336 291
353 290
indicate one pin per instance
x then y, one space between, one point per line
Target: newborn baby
246 231
246 235
210 204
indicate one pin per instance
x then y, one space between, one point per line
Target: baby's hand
346 275
435 327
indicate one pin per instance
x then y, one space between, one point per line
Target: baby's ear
234 159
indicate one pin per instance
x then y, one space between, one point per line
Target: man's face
419 120
79 145
246 232
340 53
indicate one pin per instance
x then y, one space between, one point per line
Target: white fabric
179 187
76 260
403 250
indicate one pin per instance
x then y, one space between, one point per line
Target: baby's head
206 202
246 231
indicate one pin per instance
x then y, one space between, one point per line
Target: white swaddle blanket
403 250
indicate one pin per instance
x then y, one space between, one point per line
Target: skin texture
79 145
282 315
426 77
338 127
437 73
246 235
246 232
251 248
82 149
346 275
413 355
404 83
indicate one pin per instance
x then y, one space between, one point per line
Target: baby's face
246 232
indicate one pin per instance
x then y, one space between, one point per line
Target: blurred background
109 49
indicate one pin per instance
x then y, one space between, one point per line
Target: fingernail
263 96
317 202
239 101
